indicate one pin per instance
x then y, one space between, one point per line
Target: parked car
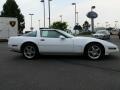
52 41
114 31
119 34
102 34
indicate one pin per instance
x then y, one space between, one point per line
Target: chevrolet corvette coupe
53 41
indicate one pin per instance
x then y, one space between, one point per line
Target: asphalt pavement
58 72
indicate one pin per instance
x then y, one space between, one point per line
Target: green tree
11 9
86 26
78 27
59 25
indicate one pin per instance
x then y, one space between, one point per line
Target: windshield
65 33
31 34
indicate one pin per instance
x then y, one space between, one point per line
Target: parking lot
58 72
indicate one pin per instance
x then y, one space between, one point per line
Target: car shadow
66 58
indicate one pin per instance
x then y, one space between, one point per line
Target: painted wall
8 27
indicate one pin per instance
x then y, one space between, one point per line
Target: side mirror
62 37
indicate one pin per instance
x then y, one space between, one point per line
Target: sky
108 11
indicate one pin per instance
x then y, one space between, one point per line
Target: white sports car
52 41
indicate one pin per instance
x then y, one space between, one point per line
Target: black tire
109 37
94 51
29 51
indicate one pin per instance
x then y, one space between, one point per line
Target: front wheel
29 51
94 51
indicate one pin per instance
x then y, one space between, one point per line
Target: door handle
42 39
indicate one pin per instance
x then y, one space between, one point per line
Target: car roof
47 29
102 30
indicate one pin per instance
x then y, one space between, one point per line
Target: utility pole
77 22
92 19
49 12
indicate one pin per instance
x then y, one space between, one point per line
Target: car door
50 41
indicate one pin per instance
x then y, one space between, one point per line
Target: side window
50 34
44 33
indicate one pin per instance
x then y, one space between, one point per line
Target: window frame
52 30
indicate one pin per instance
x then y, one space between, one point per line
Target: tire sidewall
36 51
101 48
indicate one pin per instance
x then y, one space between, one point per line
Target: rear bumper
14 48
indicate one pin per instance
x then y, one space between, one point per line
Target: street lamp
31 22
107 24
61 17
44 10
116 24
93 7
39 23
75 11
49 12
98 24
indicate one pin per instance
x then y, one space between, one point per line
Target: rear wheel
94 51
29 51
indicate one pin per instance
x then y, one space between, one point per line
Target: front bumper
110 50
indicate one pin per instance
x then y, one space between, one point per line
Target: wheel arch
94 43
26 43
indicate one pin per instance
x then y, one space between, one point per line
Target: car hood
91 39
